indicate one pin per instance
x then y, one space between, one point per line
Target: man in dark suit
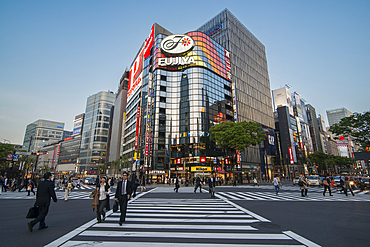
212 185
123 193
45 191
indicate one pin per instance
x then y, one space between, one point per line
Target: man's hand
128 197
115 199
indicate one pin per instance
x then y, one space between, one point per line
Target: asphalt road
326 223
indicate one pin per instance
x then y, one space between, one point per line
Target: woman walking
100 198
67 188
30 187
143 184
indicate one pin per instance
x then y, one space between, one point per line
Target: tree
237 136
357 126
318 159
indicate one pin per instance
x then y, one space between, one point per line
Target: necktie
124 187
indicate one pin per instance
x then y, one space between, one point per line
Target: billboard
135 78
282 97
180 51
77 126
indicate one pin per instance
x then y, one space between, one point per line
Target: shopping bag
115 206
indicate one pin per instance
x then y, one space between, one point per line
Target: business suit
123 197
212 185
45 192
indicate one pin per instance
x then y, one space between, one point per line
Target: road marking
130 244
243 209
270 236
116 219
162 226
301 239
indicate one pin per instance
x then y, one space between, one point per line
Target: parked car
314 180
366 182
295 180
91 181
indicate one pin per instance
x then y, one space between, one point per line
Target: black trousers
100 211
304 192
123 208
43 211
327 188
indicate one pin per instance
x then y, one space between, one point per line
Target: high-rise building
334 116
41 133
95 131
314 128
181 85
117 120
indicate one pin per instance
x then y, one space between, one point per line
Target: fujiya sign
177 44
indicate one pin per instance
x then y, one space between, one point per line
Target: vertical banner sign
291 155
137 126
237 157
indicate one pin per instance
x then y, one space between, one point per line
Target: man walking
326 183
123 193
177 185
212 185
198 184
45 191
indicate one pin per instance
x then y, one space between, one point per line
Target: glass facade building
181 85
95 131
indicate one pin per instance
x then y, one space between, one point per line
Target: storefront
158 176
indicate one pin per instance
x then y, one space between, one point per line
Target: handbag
115 206
33 212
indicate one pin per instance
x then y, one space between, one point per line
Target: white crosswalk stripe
293 196
181 222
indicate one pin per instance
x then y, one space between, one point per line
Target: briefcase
33 212
115 206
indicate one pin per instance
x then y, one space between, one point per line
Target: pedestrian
14 184
45 192
78 183
123 194
303 183
101 192
347 186
212 185
2 183
135 184
276 182
177 185
67 188
5 186
361 184
142 184
234 181
97 181
333 184
30 187
198 183
326 183
255 182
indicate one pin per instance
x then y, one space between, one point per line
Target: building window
162 110
163 78
162 99
162 88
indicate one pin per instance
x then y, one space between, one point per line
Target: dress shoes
29 226
42 227
120 223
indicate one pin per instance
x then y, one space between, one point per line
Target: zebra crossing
181 222
292 196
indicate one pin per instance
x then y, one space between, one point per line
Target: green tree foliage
5 149
357 126
237 136
322 160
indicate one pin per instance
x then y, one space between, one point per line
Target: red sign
137 126
202 159
291 155
178 161
9 156
341 138
226 161
237 157
149 43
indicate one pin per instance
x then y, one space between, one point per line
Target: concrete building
41 133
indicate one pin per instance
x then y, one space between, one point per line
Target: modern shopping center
181 85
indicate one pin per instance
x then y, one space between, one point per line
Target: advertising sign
291 155
137 126
77 127
177 44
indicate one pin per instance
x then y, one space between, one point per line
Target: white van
314 180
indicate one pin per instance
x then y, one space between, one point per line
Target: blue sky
54 54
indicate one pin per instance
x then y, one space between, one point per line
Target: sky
55 54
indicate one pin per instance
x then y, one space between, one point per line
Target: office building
334 116
41 133
181 85
95 131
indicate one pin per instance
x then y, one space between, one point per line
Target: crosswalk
182 222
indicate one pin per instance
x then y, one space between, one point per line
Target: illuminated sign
201 169
177 44
202 159
291 155
171 61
